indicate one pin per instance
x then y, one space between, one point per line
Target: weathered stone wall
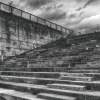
18 33
17 37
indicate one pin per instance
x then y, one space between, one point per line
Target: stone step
80 95
9 94
90 85
95 75
36 69
88 67
32 80
67 87
84 71
73 74
77 78
31 74
49 96
41 81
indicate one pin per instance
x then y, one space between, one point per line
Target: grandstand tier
54 72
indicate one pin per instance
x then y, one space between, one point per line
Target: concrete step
49 96
9 94
36 69
95 75
84 71
90 85
73 74
31 74
89 67
67 87
76 78
23 87
33 80
80 95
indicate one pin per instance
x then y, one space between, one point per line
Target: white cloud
89 22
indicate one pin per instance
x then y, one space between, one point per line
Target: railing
28 16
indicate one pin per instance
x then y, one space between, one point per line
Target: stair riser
36 69
30 81
52 98
96 77
40 75
76 79
73 71
87 68
66 88
74 74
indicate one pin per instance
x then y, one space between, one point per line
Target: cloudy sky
81 15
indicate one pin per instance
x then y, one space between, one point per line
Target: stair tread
83 82
81 74
57 96
69 85
22 77
51 79
84 70
5 90
77 77
93 73
72 73
45 79
31 72
18 94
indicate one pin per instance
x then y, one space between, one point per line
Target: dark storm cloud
36 3
48 8
56 15
80 8
59 6
87 3
79 1
72 16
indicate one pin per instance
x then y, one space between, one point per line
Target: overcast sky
76 14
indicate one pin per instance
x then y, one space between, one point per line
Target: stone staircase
38 76
69 86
